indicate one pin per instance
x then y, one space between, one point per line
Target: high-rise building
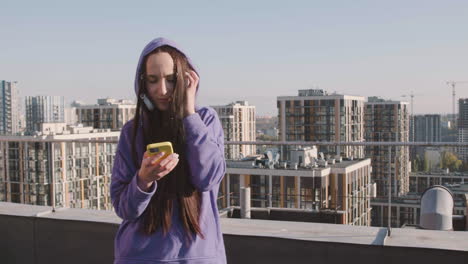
34 170
9 108
238 122
71 118
22 117
314 115
388 121
107 113
426 128
43 109
463 127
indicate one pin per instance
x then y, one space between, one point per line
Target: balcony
35 234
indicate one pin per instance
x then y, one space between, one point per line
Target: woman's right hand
153 168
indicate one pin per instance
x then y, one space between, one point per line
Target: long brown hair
161 126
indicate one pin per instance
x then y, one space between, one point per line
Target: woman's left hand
191 90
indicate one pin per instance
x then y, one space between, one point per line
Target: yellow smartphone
156 148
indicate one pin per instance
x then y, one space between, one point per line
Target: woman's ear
147 102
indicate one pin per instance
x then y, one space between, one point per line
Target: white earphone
147 102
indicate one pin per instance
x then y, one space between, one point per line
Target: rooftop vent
436 208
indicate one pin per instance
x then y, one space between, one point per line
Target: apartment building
335 191
108 113
238 122
388 121
427 128
463 127
49 169
9 108
315 115
43 109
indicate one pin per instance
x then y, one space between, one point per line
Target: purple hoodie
205 152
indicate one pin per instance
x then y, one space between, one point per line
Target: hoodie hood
150 47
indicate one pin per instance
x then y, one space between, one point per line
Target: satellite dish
271 164
321 155
269 155
277 156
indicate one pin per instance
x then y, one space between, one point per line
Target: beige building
71 116
238 121
107 113
35 170
314 115
335 191
388 121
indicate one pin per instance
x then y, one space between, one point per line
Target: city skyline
309 147
71 102
87 51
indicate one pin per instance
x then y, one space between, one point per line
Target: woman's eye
151 79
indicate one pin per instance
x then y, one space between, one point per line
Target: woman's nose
162 88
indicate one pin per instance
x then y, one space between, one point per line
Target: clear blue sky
245 50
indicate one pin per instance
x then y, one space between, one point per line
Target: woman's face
160 79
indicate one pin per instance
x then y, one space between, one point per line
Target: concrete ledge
451 240
84 215
34 234
15 209
304 231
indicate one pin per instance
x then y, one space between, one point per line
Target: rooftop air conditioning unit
284 165
338 158
322 163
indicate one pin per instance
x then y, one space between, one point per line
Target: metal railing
387 145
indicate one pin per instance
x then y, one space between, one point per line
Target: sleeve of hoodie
128 200
205 148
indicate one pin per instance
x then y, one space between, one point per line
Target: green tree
450 161
465 166
264 137
426 165
415 164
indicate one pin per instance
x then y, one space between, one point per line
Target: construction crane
453 84
411 95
